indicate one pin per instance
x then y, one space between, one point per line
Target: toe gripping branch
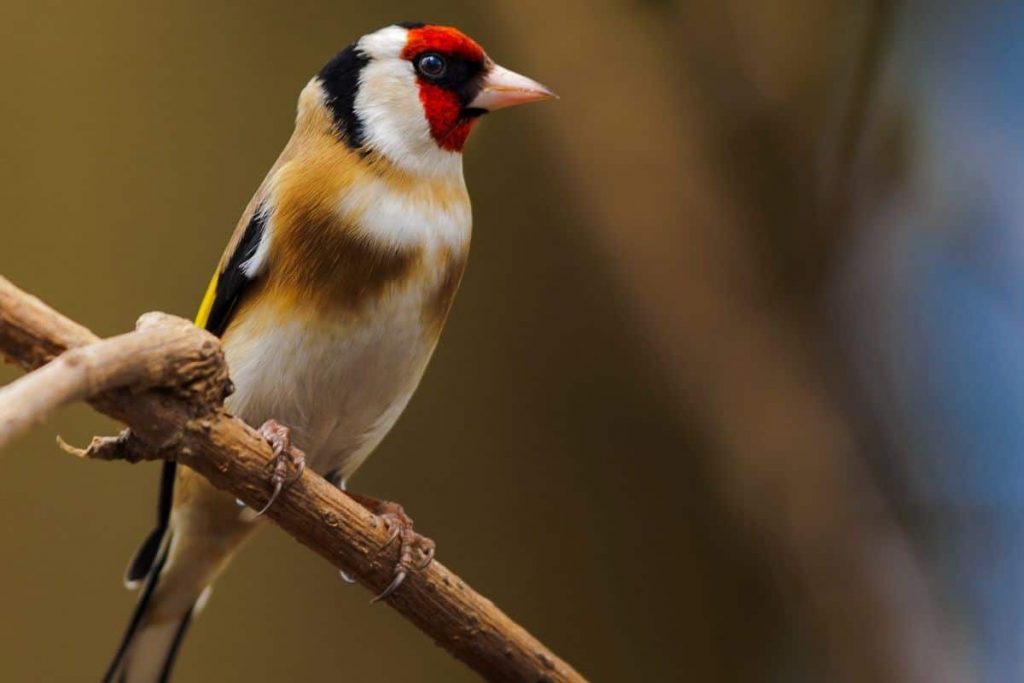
286 457
415 552
411 543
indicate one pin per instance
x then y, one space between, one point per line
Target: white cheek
388 104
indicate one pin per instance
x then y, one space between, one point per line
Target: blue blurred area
969 379
947 372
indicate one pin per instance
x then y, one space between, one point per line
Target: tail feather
152 654
147 649
179 561
144 559
150 644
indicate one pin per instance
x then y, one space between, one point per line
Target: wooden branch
166 381
160 352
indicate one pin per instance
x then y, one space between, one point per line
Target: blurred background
732 390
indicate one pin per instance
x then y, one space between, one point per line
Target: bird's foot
415 551
286 457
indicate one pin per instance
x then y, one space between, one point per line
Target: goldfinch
329 299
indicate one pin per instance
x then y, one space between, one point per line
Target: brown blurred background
639 435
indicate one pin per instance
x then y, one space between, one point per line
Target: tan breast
362 268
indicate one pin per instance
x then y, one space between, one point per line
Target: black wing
232 282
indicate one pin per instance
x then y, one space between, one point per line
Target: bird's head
412 93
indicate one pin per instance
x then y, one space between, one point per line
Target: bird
329 301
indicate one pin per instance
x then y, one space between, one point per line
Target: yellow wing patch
203 316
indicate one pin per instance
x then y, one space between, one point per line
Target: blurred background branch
717 194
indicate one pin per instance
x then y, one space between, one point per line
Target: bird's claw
411 543
400 575
286 457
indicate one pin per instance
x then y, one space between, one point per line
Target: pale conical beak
503 88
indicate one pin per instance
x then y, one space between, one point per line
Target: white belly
339 385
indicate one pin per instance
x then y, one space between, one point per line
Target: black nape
340 78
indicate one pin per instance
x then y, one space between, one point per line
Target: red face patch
442 105
444 40
443 109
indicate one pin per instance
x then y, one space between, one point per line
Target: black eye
431 65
